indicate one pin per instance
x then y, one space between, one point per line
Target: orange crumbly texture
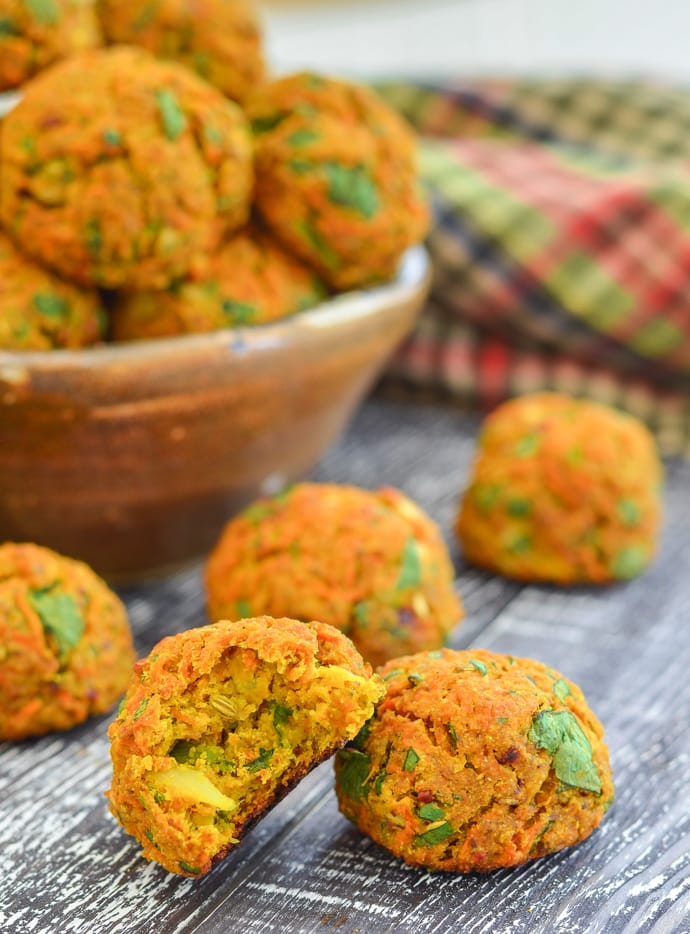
336 177
476 761
370 563
38 311
33 35
219 39
250 280
122 170
65 644
562 490
219 722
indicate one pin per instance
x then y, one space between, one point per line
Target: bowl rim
413 274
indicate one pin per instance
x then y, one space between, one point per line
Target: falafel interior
220 722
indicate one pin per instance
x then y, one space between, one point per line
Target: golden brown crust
250 280
219 39
371 564
39 311
336 177
123 170
65 645
476 761
562 490
220 722
34 35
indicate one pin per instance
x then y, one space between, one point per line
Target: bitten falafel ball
122 170
220 722
219 39
38 311
249 280
65 644
33 35
336 177
371 564
562 490
475 761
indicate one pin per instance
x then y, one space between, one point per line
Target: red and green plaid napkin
561 245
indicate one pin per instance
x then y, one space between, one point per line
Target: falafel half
220 722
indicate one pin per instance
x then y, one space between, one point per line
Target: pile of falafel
152 167
156 181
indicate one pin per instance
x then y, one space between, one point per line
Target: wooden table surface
65 866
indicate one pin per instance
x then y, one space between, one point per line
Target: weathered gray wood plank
65 865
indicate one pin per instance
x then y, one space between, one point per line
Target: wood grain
66 866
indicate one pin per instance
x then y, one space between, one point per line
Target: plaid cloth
561 245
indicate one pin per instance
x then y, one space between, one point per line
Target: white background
441 37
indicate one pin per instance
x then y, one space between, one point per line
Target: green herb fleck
629 562
560 734
628 511
140 709
185 867
415 678
159 797
93 236
378 784
281 715
352 187
502 720
261 761
60 617
485 495
238 313
149 835
410 566
354 771
411 760
392 674
452 736
434 835
8 27
243 609
528 445
52 306
174 120
112 137
45 11
435 654
265 124
360 611
303 137
431 812
561 689
519 507
480 666
328 256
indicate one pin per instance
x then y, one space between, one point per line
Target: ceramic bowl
132 456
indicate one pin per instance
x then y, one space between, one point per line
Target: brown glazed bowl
132 456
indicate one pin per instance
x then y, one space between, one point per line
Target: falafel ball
336 177
38 311
220 722
562 490
65 644
122 170
34 35
370 563
475 761
219 39
250 280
